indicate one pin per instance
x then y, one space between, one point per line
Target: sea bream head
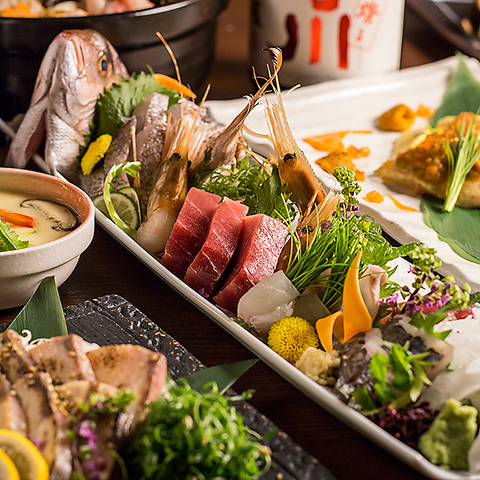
76 68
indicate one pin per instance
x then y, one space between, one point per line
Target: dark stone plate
111 319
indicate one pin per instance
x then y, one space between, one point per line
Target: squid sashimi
267 302
211 261
190 230
261 242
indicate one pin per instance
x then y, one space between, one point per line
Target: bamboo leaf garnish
43 314
462 154
223 375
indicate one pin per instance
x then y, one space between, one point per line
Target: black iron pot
188 26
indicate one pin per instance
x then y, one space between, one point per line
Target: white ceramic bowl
21 271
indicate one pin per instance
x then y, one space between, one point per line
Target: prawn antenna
172 56
277 58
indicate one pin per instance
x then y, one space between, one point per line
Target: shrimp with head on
314 205
228 145
295 171
185 140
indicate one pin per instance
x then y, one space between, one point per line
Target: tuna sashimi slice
211 261
190 230
260 244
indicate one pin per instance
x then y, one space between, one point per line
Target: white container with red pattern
328 39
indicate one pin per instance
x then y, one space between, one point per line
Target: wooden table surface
106 268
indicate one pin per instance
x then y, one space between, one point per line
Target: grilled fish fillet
423 168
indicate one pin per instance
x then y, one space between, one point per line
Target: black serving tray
111 319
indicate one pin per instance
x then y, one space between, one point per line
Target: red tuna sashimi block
260 244
222 239
190 230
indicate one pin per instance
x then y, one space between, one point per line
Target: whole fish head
77 67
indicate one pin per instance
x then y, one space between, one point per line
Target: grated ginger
319 365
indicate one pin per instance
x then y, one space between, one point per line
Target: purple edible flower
325 226
445 298
86 431
411 308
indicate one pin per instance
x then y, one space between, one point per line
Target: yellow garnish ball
291 336
95 152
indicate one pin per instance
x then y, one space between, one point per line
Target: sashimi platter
269 213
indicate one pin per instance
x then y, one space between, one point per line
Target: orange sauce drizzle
376 197
400 206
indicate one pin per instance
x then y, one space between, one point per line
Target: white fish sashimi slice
462 379
267 302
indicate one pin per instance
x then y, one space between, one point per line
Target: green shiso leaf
120 100
223 375
462 95
243 180
270 198
460 228
43 314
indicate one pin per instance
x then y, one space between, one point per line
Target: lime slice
124 206
131 193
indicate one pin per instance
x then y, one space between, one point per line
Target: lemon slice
8 470
28 460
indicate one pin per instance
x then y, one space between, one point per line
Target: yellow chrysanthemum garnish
291 336
95 152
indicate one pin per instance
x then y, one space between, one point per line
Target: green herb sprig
398 379
462 154
430 298
99 403
330 249
190 435
249 183
9 239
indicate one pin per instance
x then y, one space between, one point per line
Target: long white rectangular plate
325 101
356 104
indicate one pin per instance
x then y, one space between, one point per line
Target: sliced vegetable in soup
36 220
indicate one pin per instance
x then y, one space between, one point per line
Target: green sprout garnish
462 156
330 248
190 435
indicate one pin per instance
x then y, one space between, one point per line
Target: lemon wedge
28 461
8 470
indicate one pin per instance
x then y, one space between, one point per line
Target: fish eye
103 65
